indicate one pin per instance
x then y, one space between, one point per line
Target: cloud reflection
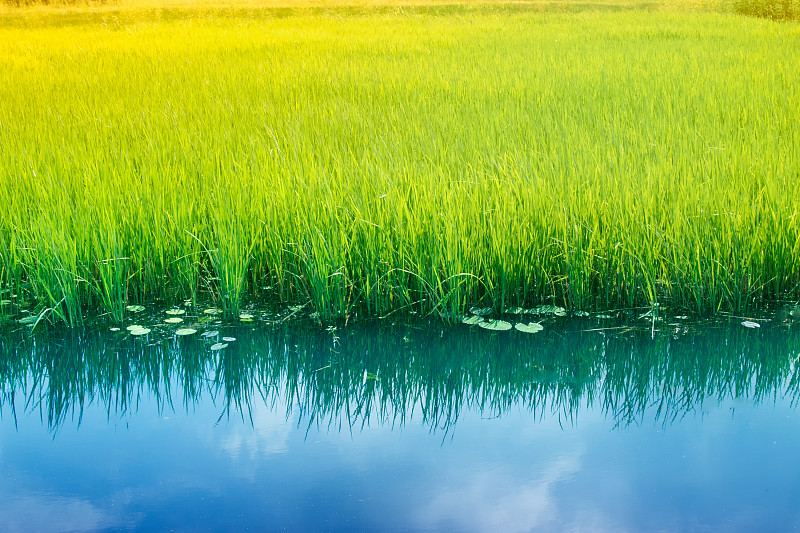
492 501
42 512
268 435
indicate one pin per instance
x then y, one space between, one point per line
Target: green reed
771 9
370 161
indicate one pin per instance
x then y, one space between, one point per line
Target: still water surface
403 427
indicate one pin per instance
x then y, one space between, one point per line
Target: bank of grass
420 158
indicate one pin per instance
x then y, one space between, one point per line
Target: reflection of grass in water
372 375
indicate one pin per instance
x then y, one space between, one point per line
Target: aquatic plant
530 327
372 164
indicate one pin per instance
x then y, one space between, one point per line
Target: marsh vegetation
406 159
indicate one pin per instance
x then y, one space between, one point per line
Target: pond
585 425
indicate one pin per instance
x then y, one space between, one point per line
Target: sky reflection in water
403 428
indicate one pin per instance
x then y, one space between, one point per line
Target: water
691 427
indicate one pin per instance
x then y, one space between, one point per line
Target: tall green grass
771 9
418 159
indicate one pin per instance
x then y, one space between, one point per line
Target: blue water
409 427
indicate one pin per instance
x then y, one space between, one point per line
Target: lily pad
134 326
245 316
113 329
749 324
218 346
212 311
175 312
530 327
141 331
173 320
472 320
207 334
228 339
515 311
135 308
481 311
549 310
580 313
185 331
495 325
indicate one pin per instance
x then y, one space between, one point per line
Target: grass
367 160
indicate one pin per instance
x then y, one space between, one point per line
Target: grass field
371 159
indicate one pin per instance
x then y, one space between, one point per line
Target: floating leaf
212 311
173 320
531 327
749 324
134 326
604 317
113 329
28 319
481 311
218 346
213 333
495 325
516 311
681 317
185 331
135 308
548 310
138 332
580 313
175 311
228 339
472 320
245 316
